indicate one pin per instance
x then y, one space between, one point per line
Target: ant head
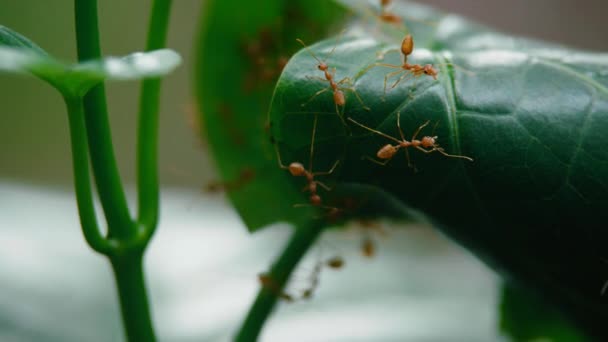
322 66
407 45
297 169
428 141
429 70
386 152
315 200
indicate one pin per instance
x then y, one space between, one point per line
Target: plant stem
82 180
302 239
129 275
147 143
109 186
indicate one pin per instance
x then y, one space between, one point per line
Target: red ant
387 16
335 263
267 282
415 70
297 170
427 144
339 98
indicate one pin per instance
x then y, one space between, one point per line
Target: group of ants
425 144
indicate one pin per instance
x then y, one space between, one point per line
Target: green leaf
11 38
525 317
20 55
238 61
533 116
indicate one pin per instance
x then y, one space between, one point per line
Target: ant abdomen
387 152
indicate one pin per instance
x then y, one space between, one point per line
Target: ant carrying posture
407 69
335 87
297 170
428 144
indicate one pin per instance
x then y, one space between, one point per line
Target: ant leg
325 173
375 131
276 147
355 92
407 74
419 129
317 78
323 186
373 65
399 125
387 76
340 115
376 161
442 151
315 95
409 162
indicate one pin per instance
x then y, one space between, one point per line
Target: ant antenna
328 55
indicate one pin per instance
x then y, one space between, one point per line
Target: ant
267 282
335 263
297 170
428 144
387 16
335 87
415 70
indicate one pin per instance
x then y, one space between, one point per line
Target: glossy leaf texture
531 115
20 55
242 49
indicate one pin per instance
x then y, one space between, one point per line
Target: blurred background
54 288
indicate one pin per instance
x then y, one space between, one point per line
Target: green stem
302 239
109 186
82 180
147 143
129 275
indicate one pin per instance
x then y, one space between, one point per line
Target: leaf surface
531 115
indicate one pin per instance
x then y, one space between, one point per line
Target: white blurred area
202 271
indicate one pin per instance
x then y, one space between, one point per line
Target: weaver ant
335 87
387 16
428 144
335 263
415 70
267 282
297 170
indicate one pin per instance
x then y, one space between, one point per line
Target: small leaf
11 38
20 55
